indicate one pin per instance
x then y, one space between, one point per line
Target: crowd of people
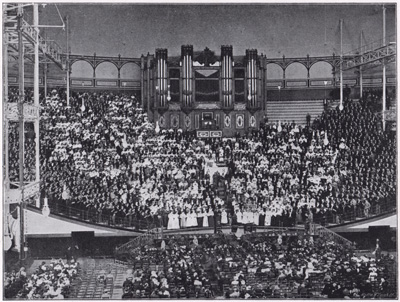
29 152
48 281
256 266
102 156
367 154
29 139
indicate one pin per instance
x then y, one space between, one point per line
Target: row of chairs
93 287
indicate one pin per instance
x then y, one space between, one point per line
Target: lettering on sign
12 111
215 133
203 134
30 111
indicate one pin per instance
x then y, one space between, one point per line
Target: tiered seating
85 285
119 279
294 110
91 287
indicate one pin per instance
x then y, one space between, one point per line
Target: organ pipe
226 63
186 59
252 77
162 76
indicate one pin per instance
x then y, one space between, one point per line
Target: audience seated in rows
48 281
256 266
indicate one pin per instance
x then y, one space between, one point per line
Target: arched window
130 71
321 70
106 70
274 71
81 69
296 71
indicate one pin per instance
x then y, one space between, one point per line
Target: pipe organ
252 72
227 87
199 90
187 77
162 91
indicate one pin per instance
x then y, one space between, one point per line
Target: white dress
176 221
183 217
192 220
256 216
170 221
205 219
189 220
224 217
173 221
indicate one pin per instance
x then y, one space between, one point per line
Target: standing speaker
381 232
84 240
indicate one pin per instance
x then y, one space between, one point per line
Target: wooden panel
296 83
82 83
106 83
274 84
320 83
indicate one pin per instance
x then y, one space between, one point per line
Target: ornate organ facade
213 94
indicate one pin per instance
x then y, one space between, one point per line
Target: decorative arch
321 69
137 63
81 69
274 71
296 70
106 70
130 71
98 62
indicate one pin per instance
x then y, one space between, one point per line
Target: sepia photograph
199 151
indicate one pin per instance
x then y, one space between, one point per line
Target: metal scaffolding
377 56
379 53
22 42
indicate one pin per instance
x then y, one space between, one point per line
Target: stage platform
363 225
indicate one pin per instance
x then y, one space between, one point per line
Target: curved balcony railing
103 218
355 214
144 224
